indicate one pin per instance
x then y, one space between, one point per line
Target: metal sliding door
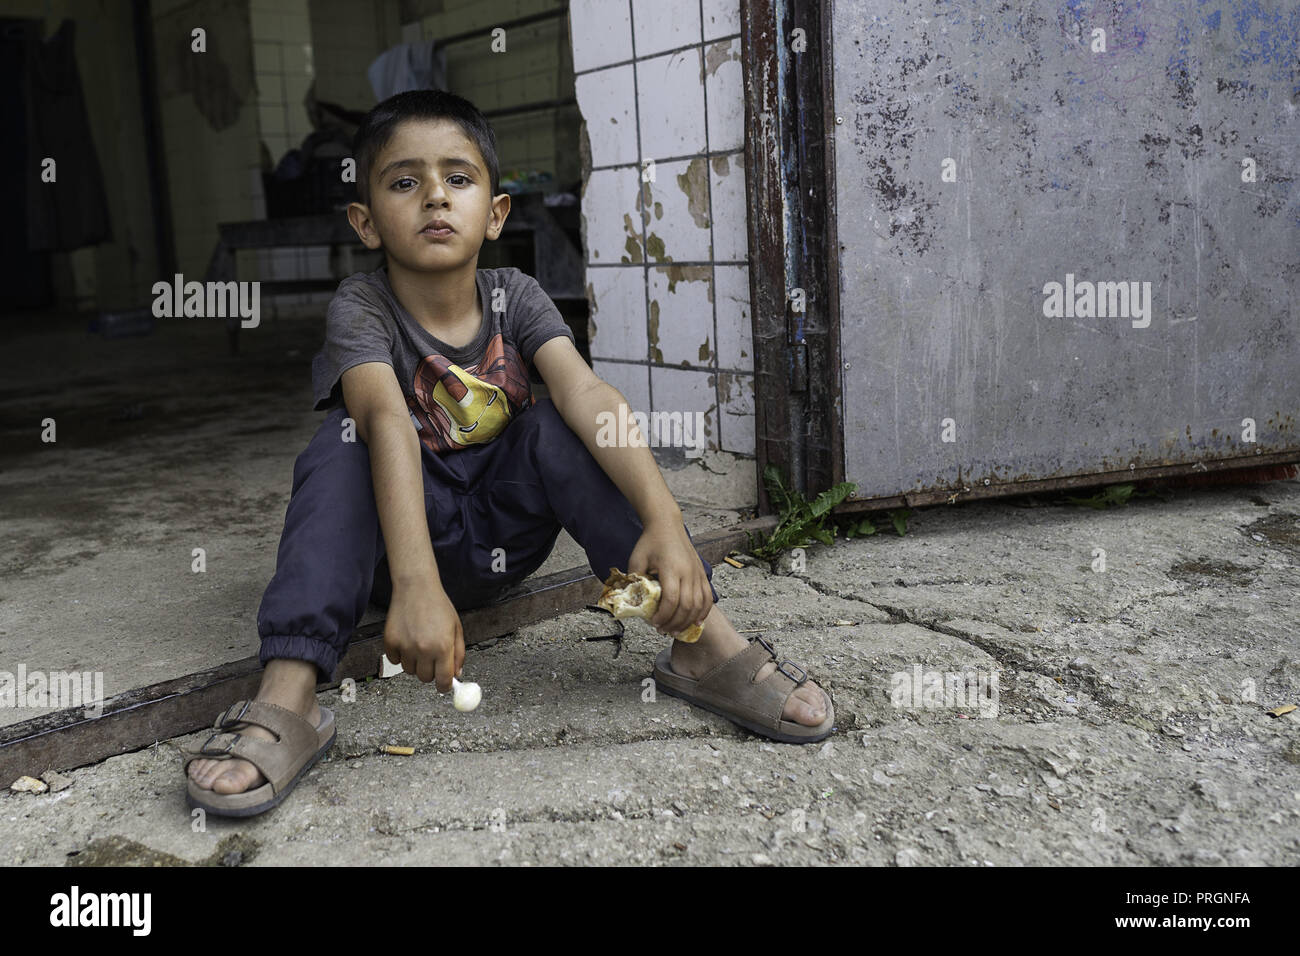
1069 239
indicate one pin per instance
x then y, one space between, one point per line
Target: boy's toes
806 706
203 772
243 776
226 776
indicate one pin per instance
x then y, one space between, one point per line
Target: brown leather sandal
729 691
284 761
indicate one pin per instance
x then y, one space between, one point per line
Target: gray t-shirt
457 397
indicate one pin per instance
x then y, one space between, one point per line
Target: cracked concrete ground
1129 724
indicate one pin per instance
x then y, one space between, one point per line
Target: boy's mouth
438 229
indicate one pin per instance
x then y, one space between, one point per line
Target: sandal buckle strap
770 649
214 752
225 720
803 674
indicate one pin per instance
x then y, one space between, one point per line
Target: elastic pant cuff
299 647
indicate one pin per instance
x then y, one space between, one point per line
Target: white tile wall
609 96
602 33
727 187
685 235
632 380
682 390
701 355
664 25
609 204
671 102
735 331
721 18
737 412
618 313
726 87
683 304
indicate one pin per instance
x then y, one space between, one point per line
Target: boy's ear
364 226
500 209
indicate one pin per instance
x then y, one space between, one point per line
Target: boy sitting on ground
459 473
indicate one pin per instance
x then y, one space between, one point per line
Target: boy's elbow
371 420
371 395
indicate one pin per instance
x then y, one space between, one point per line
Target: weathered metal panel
766 102
1064 164
791 230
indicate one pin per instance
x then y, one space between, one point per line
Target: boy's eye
455 179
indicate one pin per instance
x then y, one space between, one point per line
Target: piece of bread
636 595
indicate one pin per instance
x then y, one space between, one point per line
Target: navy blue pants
513 493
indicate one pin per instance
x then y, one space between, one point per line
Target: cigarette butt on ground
733 562
1284 709
400 751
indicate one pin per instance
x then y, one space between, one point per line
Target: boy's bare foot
720 641
287 683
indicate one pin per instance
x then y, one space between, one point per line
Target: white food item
467 695
636 595
29 785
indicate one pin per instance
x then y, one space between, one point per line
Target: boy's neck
440 302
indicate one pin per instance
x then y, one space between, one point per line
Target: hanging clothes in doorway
72 211
408 66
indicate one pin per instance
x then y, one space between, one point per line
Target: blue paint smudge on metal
1178 59
1266 35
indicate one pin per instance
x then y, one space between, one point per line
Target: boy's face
430 172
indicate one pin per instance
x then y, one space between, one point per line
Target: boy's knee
546 419
543 413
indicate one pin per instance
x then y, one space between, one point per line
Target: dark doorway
24 275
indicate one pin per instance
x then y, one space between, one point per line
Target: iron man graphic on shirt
455 407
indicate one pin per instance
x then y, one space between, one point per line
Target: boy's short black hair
380 123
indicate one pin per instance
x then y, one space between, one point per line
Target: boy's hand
423 633
665 549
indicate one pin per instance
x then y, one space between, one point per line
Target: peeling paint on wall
718 54
736 389
633 244
676 274
655 354
721 167
592 308
643 198
655 247
695 184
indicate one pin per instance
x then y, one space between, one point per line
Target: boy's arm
375 402
581 397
